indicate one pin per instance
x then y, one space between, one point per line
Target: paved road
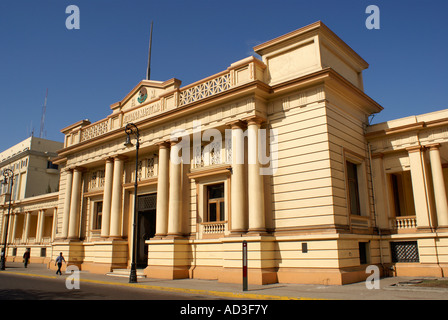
96 286
18 287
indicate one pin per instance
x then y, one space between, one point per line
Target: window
353 188
396 184
363 252
404 251
97 215
402 196
215 203
50 165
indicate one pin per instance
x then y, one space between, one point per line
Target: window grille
147 202
404 251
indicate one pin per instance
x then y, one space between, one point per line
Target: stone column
255 188
238 192
27 227
162 191
66 209
39 217
73 224
53 227
175 196
40 225
439 185
116 201
107 197
12 234
419 187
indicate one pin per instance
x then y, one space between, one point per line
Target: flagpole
148 72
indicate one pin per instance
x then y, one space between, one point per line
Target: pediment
144 92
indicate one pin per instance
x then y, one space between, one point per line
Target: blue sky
89 69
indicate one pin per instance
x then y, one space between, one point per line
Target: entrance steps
125 273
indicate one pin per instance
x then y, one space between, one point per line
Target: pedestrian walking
26 257
59 261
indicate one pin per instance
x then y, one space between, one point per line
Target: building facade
409 162
34 195
276 151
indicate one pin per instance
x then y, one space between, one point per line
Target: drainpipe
374 205
373 198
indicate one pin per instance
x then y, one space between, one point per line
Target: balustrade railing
214 227
94 130
405 222
205 89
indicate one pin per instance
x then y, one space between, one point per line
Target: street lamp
8 174
131 129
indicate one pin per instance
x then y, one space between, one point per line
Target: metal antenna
42 120
148 72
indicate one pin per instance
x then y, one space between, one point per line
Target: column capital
174 142
79 169
433 146
108 159
236 124
377 155
163 144
415 149
254 120
120 157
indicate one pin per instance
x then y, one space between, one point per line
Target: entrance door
146 227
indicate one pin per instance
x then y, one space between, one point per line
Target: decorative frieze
205 89
212 154
94 130
147 168
95 180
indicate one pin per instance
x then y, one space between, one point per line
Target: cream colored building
321 212
34 196
409 162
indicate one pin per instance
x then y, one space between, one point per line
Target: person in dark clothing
26 257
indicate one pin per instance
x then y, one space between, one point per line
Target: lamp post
9 177
131 129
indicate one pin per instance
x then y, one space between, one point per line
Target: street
19 287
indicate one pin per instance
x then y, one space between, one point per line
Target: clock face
142 95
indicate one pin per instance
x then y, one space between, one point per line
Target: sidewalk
389 288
